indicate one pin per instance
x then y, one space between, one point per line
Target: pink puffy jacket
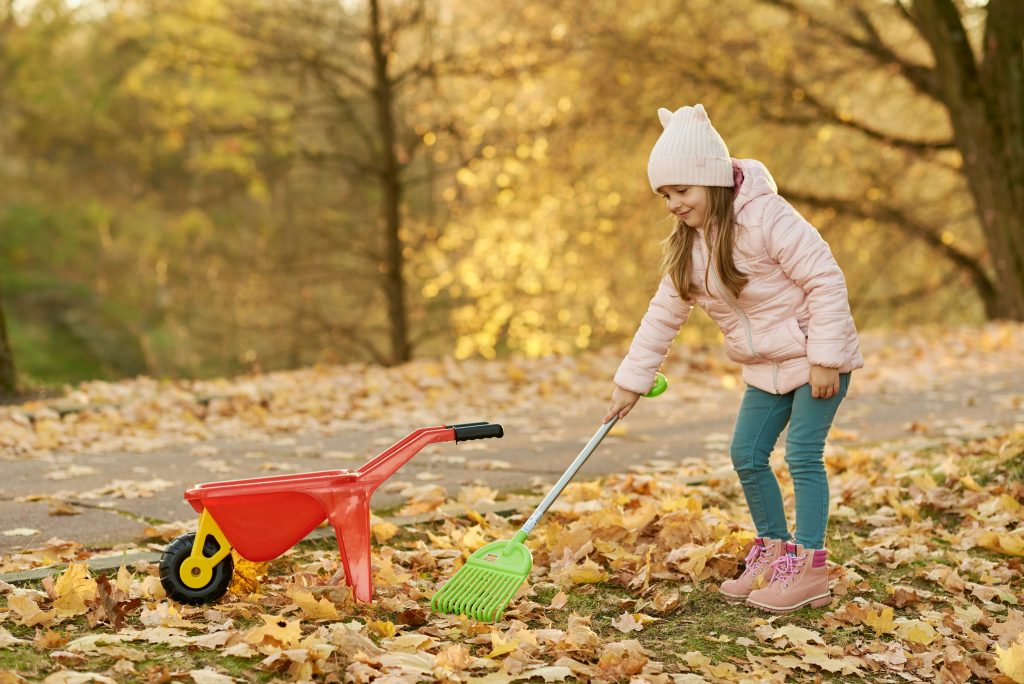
792 313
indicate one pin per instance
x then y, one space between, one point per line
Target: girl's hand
824 382
623 402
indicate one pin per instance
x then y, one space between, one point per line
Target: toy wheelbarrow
261 518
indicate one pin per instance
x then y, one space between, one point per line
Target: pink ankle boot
758 572
799 578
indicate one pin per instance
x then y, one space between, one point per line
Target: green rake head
487 582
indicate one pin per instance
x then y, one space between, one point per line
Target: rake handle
570 472
660 385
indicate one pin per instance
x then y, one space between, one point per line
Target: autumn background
232 231
205 188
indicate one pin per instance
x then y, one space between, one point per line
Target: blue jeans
760 421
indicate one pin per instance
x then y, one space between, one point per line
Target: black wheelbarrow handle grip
468 431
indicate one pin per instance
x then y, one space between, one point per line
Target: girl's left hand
824 382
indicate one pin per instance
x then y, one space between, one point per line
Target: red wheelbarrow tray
263 517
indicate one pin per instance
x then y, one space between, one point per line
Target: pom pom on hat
689 152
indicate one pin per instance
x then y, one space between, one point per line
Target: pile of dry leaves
926 566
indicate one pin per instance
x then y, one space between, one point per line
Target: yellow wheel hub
196 571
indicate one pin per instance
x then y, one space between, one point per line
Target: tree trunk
985 102
8 374
983 96
394 281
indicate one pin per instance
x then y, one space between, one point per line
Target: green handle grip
660 385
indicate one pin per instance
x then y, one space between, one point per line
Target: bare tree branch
906 223
924 79
828 113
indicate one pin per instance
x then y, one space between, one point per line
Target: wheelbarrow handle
468 431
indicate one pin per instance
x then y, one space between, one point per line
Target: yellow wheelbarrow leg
197 570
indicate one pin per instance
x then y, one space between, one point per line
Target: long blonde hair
678 246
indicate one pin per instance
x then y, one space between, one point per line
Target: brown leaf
48 639
902 597
413 617
622 659
59 507
110 604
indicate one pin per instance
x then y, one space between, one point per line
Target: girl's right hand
623 402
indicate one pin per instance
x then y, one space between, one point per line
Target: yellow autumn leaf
1013 545
588 573
124 579
798 636
882 621
819 657
969 483
1003 543
73 588
473 539
29 611
384 531
918 631
312 608
276 630
1010 661
1010 505
384 628
248 576
500 645
612 551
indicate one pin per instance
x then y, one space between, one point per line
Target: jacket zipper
743 317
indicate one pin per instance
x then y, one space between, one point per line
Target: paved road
539 442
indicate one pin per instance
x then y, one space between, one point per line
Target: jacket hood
757 181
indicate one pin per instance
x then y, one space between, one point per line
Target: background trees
201 187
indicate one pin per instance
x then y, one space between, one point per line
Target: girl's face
688 202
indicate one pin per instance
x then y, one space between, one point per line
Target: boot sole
731 598
815 602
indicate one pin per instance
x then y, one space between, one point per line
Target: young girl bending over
770 282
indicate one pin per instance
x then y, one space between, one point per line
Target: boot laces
755 559
786 567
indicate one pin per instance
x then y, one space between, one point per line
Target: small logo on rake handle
490 558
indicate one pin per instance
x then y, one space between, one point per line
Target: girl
770 282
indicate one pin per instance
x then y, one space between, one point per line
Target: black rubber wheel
170 566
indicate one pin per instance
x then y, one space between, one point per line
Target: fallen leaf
1010 661
384 628
210 676
29 613
918 631
798 636
882 621
73 588
6 638
276 631
312 608
627 622
384 531
59 507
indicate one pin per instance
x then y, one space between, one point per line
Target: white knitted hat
689 152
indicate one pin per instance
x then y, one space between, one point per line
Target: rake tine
483 591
